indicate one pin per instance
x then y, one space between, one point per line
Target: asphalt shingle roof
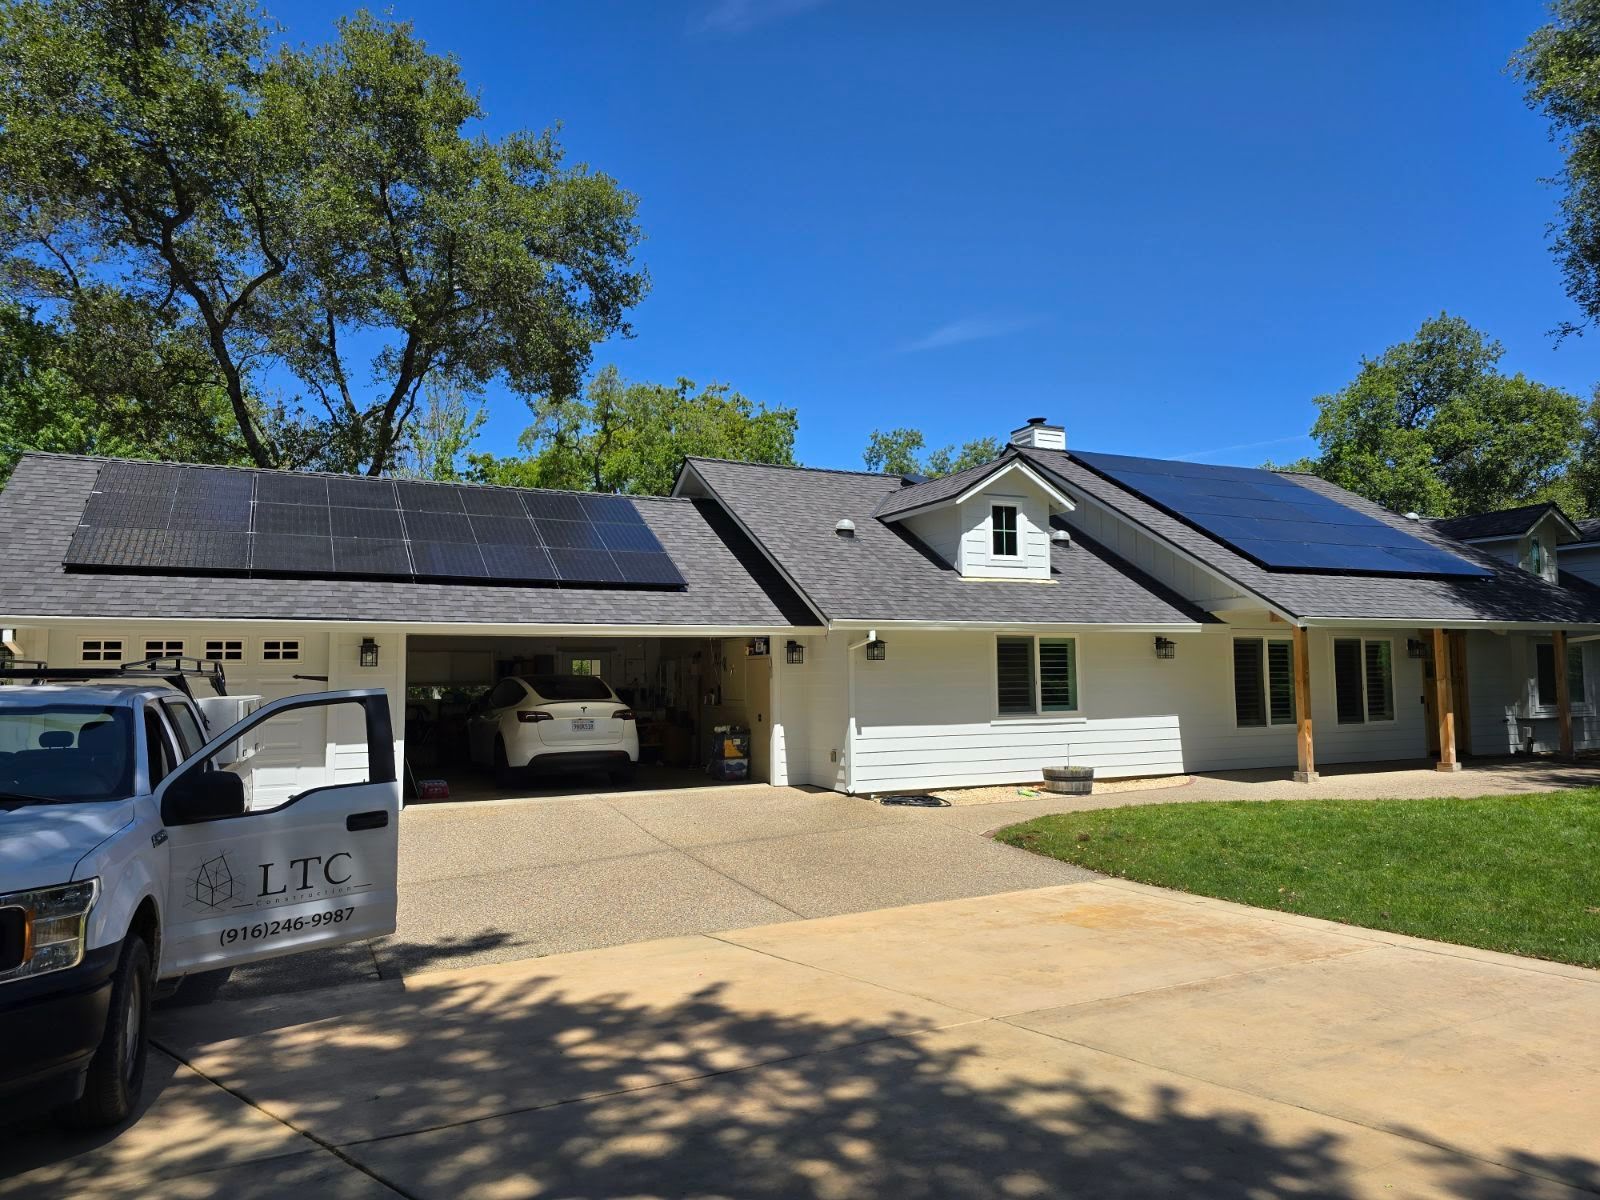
1507 594
885 574
730 583
919 495
1508 522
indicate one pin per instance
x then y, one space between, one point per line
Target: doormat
915 801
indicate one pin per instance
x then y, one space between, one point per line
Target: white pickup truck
136 849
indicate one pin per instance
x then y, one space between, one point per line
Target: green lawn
1513 873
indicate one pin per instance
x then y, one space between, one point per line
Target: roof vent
1411 516
1040 435
1060 536
845 528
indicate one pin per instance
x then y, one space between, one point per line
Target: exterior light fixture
877 651
1166 648
369 652
1416 648
794 653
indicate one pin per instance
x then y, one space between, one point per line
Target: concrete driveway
1094 1039
498 880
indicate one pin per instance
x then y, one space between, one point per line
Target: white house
874 633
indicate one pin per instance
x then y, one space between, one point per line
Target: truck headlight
44 929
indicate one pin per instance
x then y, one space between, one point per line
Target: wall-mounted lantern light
1166 648
1416 648
369 652
794 653
877 651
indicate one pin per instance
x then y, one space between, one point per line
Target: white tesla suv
554 723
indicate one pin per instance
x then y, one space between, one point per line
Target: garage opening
490 716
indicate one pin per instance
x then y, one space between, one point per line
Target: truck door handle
356 822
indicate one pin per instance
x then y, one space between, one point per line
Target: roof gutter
1484 626
848 626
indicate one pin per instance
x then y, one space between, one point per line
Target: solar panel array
157 517
1279 523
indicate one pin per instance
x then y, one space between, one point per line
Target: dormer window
1003 521
1536 557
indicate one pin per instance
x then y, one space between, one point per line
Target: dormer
1526 537
988 522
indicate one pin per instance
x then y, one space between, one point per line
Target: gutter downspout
850 711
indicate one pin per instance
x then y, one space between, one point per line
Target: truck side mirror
203 796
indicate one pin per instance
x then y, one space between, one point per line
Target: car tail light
532 716
622 714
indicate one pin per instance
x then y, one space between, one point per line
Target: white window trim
299 650
1366 711
1580 708
1074 716
83 650
242 643
1270 726
1016 528
145 652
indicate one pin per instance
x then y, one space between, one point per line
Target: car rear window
569 687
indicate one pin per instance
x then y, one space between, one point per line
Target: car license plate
583 726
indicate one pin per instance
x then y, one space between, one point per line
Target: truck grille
12 929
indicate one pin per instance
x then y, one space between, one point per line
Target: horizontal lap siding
926 714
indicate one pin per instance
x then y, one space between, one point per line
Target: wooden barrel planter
1069 781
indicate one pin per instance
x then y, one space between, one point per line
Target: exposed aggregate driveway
496 880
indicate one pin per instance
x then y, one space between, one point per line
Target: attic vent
1060 536
845 528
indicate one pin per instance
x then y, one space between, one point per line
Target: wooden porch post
1444 702
1305 752
1558 646
1460 693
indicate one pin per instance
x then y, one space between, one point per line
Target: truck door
318 869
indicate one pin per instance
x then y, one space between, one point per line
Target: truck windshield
66 751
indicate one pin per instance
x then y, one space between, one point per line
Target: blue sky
1167 226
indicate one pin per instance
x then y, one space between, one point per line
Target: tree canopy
1432 426
1561 67
624 436
324 226
903 452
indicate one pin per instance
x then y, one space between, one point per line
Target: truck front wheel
116 1073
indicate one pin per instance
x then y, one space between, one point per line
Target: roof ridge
745 462
468 483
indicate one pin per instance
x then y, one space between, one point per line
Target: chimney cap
1037 420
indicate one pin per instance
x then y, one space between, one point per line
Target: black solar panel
154 517
1281 524
291 552
366 523
455 560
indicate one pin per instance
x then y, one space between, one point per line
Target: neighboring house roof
1507 523
1589 529
730 583
885 574
917 496
1507 595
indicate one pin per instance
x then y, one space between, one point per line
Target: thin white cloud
733 17
1283 441
970 329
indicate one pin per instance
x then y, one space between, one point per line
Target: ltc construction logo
212 885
